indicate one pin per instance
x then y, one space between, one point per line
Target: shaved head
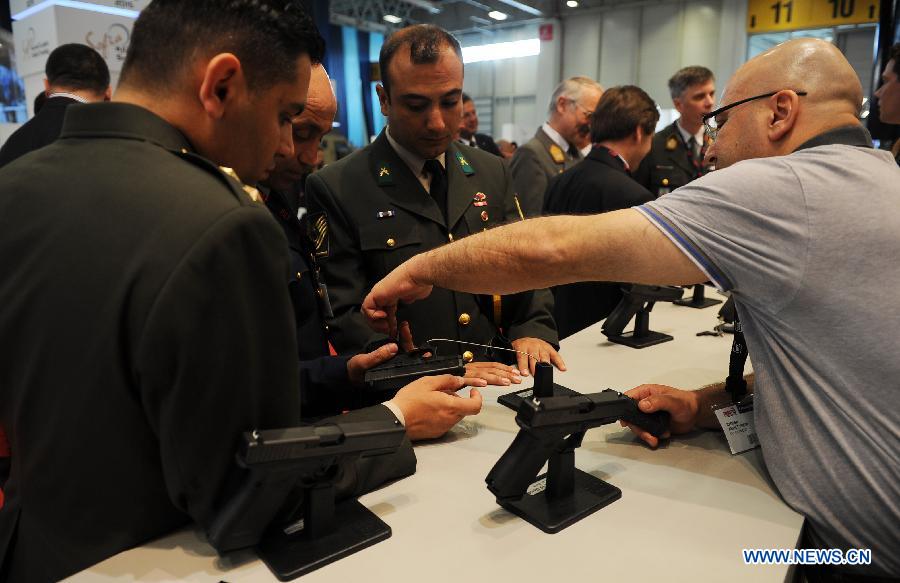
805 64
777 125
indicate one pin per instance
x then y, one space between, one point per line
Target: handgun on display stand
551 428
294 535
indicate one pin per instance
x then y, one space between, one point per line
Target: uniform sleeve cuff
393 408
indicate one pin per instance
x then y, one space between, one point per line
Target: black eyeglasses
709 119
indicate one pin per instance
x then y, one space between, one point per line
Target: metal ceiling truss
369 15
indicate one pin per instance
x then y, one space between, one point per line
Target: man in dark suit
622 128
556 146
172 334
678 151
416 188
75 74
468 129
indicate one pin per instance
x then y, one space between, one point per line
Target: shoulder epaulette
226 175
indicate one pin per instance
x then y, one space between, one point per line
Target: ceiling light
572 3
497 15
392 19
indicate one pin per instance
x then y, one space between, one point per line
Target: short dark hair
425 42
620 111
895 56
78 67
466 98
687 77
268 36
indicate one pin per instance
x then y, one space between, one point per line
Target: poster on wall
107 34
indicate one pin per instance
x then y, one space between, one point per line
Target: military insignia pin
464 164
484 216
557 154
385 214
383 175
480 199
317 226
671 144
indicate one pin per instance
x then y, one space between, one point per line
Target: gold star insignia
384 172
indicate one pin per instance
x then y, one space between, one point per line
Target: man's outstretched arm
617 246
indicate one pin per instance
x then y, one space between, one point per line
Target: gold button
464 319
450 235
321 292
390 242
665 182
468 356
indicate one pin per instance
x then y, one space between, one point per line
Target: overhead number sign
783 15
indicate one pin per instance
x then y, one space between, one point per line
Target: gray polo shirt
809 244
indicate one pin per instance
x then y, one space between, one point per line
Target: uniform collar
698 137
610 157
123 121
854 135
556 137
411 159
72 96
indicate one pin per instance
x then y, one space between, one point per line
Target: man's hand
683 406
380 306
431 406
540 350
494 373
359 364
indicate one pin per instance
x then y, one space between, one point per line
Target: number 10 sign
781 15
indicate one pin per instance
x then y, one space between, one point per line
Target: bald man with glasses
801 224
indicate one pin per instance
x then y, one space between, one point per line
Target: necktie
575 153
438 184
695 149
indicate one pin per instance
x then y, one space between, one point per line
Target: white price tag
737 423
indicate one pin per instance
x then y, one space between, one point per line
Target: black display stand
543 387
320 541
698 299
641 336
564 495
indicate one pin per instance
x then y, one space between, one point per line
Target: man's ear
223 81
383 99
784 107
107 95
561 103
47 86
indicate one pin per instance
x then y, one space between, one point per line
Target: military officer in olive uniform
678 151
414 189
332 384
556 145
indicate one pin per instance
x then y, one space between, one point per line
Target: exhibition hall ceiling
462 15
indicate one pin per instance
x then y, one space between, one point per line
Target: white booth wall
641 44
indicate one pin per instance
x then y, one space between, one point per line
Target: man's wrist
396 410
708 398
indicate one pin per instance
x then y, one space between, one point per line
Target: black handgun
279 461
637 302
554 424
404 368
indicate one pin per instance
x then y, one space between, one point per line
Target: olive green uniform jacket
379 215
